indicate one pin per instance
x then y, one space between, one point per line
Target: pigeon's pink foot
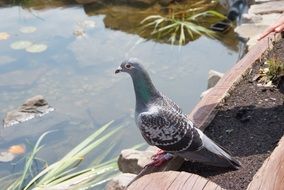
159 153
160 158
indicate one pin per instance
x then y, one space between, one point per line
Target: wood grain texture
271 174
173 180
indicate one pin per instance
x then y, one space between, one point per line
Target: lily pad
36 48
28 29
4 35
21 44
6 156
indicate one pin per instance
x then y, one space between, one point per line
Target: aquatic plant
64 174
183 24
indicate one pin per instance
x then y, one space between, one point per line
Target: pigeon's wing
171 103
168 130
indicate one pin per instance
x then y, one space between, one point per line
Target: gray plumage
163 124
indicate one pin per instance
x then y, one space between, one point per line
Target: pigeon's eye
127 66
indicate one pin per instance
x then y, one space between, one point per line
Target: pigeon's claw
160 158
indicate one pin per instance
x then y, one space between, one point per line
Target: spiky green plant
63 174
181 26
275 69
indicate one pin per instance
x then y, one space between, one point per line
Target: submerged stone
36 106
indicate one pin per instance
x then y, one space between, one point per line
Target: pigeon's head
130 66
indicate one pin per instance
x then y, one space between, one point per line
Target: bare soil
249 125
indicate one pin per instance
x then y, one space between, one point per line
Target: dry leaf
17 149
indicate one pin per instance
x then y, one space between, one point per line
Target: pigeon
163 124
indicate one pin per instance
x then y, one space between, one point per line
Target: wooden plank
200 183
180 181
271 174
190 183
210 185
173 180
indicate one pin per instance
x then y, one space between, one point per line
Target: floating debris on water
80 29
10 154
88 24
4 35
6 156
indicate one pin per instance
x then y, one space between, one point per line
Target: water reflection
75 75
119 16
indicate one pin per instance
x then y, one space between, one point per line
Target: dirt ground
248 124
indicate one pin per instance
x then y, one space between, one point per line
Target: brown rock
133 161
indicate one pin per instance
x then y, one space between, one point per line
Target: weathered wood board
173 180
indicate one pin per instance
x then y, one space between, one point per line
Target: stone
36 106
262 1
268 19
213 78
249 30
133 161
251 18
252 42
267 8
120 182
255 25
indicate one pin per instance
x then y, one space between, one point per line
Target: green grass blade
153 17
182 36
20 182
67 162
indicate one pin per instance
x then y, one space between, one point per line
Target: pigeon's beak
118 70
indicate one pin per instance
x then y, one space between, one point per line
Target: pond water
76 75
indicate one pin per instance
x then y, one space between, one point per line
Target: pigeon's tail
212 154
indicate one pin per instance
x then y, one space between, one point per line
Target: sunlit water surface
76 76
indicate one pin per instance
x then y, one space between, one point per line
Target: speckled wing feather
168 130
171 103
